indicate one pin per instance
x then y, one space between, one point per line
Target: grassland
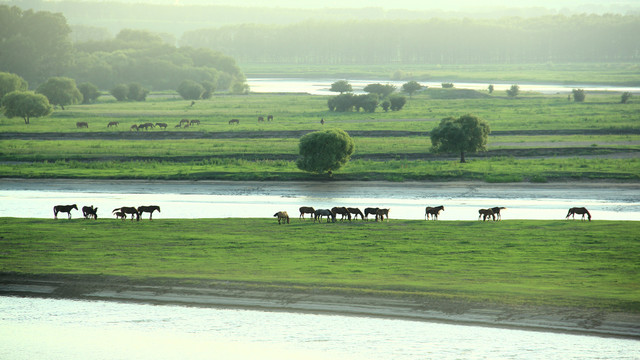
550 263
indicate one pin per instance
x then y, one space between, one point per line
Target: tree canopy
11 82
25 104
60 91
325 151
411 87
467 133
341 86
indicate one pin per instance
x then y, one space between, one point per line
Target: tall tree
464 134
60 91
341 86
382 90
411 87
25 104
11 82
325 151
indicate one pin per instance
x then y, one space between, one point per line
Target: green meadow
555 263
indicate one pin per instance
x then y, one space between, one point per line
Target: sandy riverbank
595 322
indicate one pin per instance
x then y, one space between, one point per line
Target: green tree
11 82
625 97
490 89
464 134
578 95
209 89
447 85
397 102
513 91
120 92
385 104
411 87
60 91
325 151
25 104
190 90
382 90
342 102
136 92
368 102
341 86
89 92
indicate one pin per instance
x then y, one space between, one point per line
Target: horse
150 209
128 210
580 211
234 121
282 216
269 117
179 125
260 118
342 211
184 121
322 121
161 125
63 208
145 126
324 212
496 211
356 212
90 212
368 211
306 210
485 213
133 127
380 213
120 215
82 124
194 122
433 211
113 123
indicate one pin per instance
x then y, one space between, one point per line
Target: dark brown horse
318 214
162 125
381 213
485 213
82 124
496 211
150 209
433 212
260 118
65 209
306 210
234 121
128 210
342 211
371 211
194 122
282 216
113 123
580 211
356 212
90 212
269 117
120 215
184 121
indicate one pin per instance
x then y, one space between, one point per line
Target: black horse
63 208
128 210
342 211
90 212
369 210
496 211
150 209
580 211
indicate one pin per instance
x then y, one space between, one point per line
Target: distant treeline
579 38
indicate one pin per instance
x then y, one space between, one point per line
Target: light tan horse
282 216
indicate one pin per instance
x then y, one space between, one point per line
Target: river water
220 199
33 328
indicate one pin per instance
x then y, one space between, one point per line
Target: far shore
274 297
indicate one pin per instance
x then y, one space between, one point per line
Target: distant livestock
234 121
82 124
113 123
282 217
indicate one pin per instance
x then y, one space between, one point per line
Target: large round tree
60 91
325 151
25 104
464 134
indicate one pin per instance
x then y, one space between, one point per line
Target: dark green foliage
382 90
578 95
89 92
490 88
25 104
513 91
625 97
209 89
411 87
325 151
385 105
341 86
131 92
447 85
120 92
397 102
190 90
342 102
60 91
368 102
464 134
11 82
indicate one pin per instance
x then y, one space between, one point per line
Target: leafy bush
578 95
397 102
190 90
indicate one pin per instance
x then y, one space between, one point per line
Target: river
34 328
322 86
221 199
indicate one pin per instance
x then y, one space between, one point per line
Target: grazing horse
269 117
485 213
179 125
145 126
356 212
580 211
120 215
496 211
282 216
128 210
342 211
63 208
324 212
260 118
380 213
150 209
82 124
184 121
371 211
234 121
194 122
306 210
113 123
161 125
133 127
90 212
433 211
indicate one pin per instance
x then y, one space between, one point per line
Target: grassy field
556 263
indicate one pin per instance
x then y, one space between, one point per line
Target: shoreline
268 297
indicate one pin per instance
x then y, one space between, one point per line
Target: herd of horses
90 212
184 123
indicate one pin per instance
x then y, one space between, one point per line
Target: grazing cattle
371 211
161 125
120 215
184 121
282 216
580 211
496 211
128 210
485 213
194 122
150 209
260 118
306 210
433 211
318 214
65 209
269 117
90 212
381 213
342 211
113 123
356 212
234 121
133 127
82 124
